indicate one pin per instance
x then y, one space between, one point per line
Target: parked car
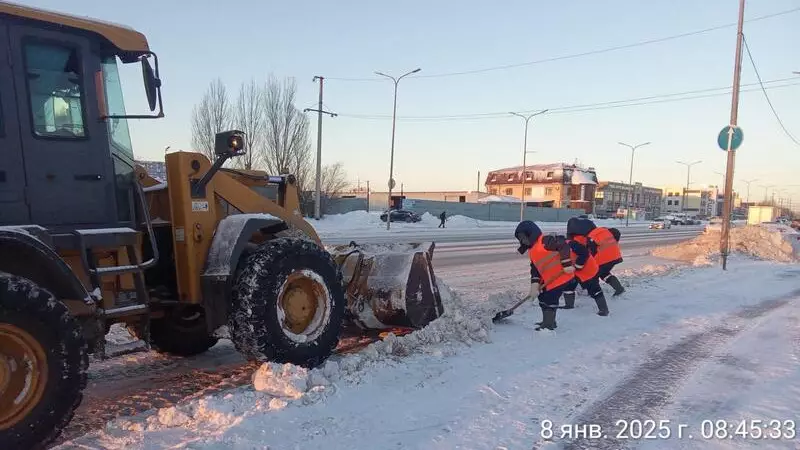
660 224
402 215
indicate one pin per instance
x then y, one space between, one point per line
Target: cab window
53 74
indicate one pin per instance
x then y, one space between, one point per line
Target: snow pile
277 386
119 335
758 241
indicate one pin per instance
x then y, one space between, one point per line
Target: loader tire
43 362
181 332
288 303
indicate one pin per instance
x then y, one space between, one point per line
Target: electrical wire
766 96
578 55
639 101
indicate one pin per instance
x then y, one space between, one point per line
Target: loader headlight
229 143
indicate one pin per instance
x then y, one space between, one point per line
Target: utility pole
318 181
479 181
728 205
524 158
368 208
630 178
748 189
394 121
688 181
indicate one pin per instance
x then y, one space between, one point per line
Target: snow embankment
276 386
768 242
359 221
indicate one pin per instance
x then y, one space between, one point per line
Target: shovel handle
519 303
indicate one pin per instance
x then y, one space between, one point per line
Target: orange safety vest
590 268
548 263
607 247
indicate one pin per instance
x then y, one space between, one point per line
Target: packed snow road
132 384
685 349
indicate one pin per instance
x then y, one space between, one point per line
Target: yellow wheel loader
89 239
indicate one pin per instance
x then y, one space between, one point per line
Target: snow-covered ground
685 343
358 224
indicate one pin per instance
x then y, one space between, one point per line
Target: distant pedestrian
443 218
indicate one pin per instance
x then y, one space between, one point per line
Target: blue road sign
736 141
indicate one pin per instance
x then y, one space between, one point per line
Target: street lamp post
524 158
748 188
391 157
766 190
630 179
688 174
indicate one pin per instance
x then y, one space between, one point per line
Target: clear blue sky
239 39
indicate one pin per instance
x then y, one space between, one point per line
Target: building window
494 178
528 191
509 191
528 176
669 202
511 178
549 174
54 90
548 191
493 191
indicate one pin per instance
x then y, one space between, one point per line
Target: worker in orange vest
587 271
551 269
603 244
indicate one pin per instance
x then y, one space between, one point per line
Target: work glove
534 293
569 269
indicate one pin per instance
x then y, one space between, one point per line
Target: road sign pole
728 205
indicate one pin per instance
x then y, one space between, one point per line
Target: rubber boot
602 305
613 281
569 300
548 320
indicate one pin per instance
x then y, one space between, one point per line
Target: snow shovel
503 314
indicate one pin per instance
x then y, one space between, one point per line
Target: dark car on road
402 215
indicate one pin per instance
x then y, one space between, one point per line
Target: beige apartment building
558 185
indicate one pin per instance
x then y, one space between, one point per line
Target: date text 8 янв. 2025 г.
751 429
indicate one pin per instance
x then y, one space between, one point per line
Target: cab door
64 145
13 209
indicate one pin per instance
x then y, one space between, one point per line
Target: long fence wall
493 211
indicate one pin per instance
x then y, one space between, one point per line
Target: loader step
107 237
125 311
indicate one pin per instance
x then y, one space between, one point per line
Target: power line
769 102
639 101
582 54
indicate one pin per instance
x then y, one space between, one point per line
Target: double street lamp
630 179
688 174
524 158
391 157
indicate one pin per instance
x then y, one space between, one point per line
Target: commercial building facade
558 185
612 199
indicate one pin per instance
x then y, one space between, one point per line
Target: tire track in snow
650 388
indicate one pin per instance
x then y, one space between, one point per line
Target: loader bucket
389 285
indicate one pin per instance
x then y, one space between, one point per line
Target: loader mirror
229 143
151 83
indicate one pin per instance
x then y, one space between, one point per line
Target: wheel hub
23 374
304 304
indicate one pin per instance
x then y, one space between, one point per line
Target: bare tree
286 144
212 115
249 118
334 180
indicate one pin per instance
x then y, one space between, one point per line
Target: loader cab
66 159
